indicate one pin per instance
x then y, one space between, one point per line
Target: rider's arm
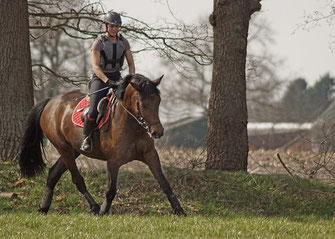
130 61
95 59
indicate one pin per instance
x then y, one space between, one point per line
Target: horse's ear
158 81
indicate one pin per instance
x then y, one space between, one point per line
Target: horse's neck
127 103
125 111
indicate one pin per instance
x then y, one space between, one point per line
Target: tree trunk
227 138
16 96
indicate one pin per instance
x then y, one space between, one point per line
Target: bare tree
325 15
58 63
69 20
188 87
263 83
58 30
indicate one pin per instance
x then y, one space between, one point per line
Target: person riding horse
107 55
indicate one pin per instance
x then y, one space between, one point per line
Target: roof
191 132
280 127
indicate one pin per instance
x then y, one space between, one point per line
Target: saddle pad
76 115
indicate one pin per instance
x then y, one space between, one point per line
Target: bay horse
130 137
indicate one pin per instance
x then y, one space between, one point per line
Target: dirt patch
305 164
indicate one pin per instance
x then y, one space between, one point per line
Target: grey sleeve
126 42
97 45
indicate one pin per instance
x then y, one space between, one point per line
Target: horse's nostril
156 135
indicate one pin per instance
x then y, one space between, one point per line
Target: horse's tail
30 160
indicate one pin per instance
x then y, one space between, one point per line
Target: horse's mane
147 88
122 87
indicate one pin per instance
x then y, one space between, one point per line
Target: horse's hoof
101 213
43 211
180 212
95 209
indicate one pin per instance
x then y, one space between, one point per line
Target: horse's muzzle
157 132
156 135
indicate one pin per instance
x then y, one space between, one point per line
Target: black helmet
113 18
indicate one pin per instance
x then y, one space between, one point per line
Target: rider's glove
112 84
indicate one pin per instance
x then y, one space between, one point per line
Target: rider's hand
112 84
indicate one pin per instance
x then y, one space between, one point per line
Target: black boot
86 145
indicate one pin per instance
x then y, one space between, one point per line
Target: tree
321 16
227 138
16 97
318 98
58 30
188 86
292 101
81 20
54 53
302 104
263 82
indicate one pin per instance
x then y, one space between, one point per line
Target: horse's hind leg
111 189
78 180
152 160
55 172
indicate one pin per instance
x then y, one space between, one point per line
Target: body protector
112 55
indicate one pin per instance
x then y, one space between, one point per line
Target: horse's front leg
152 160
113 171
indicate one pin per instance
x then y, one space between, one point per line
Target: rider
107 56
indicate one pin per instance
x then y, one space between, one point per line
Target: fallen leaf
18 183
60 198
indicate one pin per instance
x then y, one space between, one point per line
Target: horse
130 136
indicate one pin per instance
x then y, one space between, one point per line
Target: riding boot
86 145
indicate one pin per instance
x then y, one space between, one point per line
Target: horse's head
147 98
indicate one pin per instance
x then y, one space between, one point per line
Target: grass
218 204
23 225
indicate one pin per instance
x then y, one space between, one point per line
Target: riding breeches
95 85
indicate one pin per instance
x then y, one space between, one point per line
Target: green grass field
218 204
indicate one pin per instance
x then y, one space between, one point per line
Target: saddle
105 109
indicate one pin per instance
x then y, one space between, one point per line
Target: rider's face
112 29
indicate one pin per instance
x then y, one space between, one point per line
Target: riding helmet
113 18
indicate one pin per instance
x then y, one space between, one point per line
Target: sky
305 53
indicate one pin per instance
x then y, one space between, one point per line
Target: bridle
140 118
146 124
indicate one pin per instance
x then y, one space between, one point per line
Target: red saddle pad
76 115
